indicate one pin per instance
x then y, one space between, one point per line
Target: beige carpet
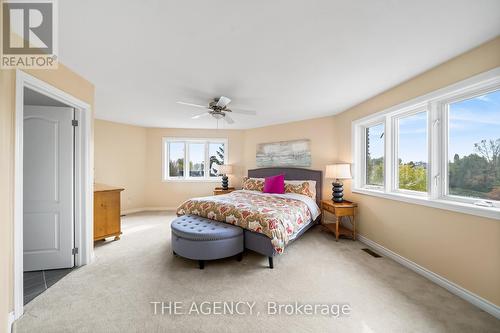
114 293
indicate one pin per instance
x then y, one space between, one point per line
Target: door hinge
74 122
74 251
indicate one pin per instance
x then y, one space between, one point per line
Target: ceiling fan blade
223 101
194 105
200 115
228 119
247 112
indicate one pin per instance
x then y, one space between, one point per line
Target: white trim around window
435 104
186 142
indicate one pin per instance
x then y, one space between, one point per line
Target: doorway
53 184
49 134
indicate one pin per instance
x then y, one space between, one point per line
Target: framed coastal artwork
296 153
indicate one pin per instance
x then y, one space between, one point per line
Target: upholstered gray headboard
292 174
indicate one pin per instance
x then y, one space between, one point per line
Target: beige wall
64 79
120 160
171 194
131 157
462 248
320 131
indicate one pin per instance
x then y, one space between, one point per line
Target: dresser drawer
347 211
329 208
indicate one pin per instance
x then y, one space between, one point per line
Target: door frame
83 208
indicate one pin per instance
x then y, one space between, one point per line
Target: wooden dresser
107 212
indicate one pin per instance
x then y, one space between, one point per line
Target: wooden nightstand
345 208
219 190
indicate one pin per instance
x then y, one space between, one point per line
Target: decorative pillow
253 184
302 188
274 184
312 185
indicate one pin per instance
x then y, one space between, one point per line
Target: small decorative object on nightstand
340 209
338 172
220 190
225 170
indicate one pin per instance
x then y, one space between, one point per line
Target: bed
286 217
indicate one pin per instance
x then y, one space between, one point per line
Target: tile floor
37 282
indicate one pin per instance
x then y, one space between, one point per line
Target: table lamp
224 170
338 171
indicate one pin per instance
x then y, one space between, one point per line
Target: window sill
467 208
203 180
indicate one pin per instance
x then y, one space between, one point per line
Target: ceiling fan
218 109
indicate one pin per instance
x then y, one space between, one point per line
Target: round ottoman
201 239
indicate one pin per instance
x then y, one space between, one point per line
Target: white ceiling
288 60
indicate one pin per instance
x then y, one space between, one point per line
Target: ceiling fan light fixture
218 115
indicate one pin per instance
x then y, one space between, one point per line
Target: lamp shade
225 169
338 171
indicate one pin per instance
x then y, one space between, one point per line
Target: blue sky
176 150
376 142
413 138
470 120
196 151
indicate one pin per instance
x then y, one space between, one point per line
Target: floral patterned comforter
279 217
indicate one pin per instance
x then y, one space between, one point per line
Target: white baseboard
10 321
147 209
470 297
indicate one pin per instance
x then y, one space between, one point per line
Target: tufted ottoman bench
201 239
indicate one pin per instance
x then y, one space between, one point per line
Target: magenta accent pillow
274 184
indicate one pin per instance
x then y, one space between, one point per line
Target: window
193 159
375 155
412 152
196 159
215 157
474 147
176 159
441 150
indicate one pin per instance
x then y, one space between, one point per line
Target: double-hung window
440 150
193 159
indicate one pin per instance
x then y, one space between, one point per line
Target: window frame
443 107
186 178
395 148
436 104
375 122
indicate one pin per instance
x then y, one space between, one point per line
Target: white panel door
48 188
